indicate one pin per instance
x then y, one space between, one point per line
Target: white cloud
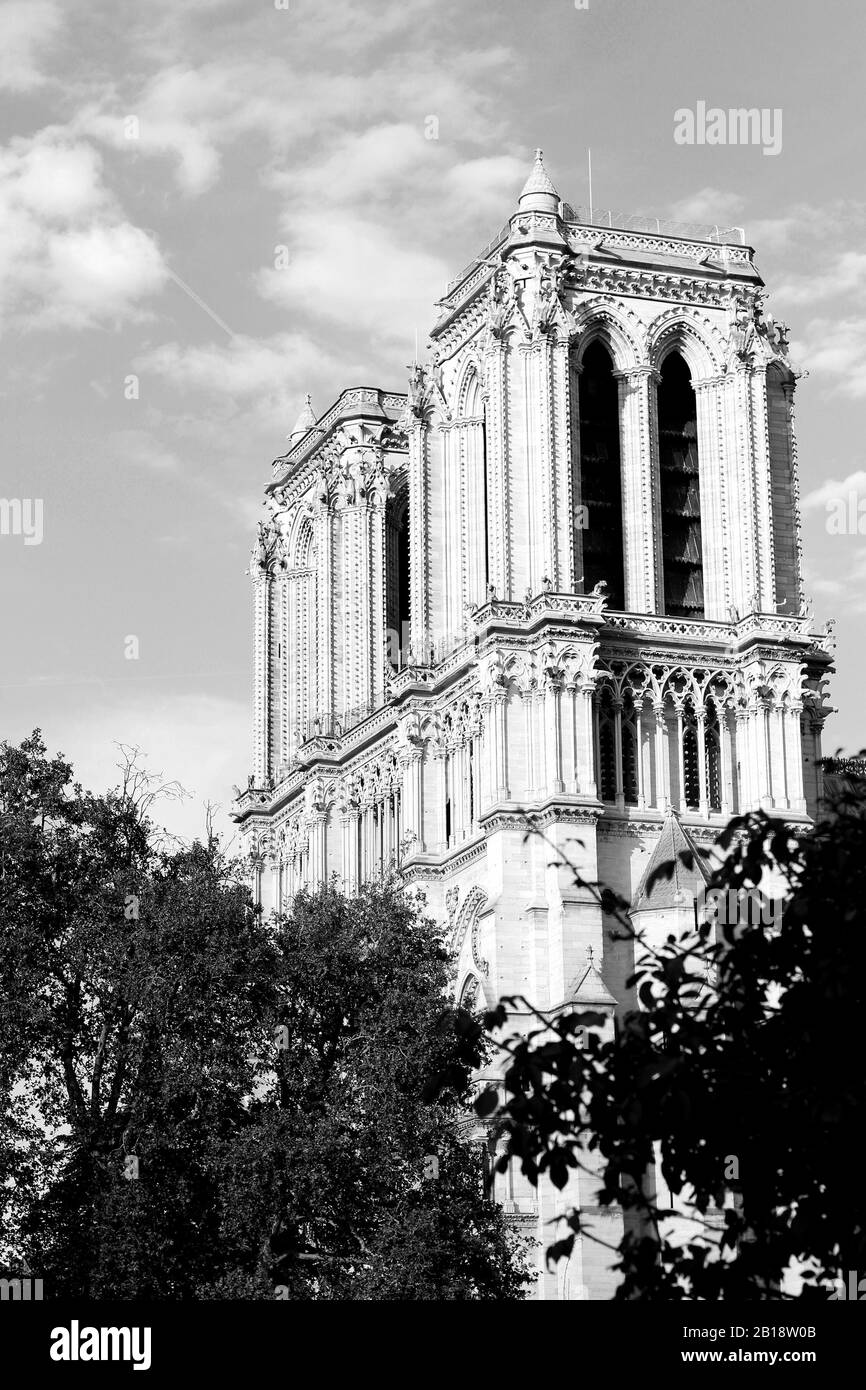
26 27
68 257
99 273
358 227
358 273
832 490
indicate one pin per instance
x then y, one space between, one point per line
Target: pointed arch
473 490
470 392
693 338
596 322
298 649
300 546
468 996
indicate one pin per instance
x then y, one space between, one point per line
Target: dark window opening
691 764
397 578
713 758
630 751
606 747
682 553
600 482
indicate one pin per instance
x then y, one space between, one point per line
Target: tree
135 987
159 1138
742 1074
364 1189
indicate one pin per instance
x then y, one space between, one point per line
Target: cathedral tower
558 578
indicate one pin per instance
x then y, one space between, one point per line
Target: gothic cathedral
556 580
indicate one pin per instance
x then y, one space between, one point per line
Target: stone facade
559 578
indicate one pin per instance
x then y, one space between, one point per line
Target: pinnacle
539 180
305 421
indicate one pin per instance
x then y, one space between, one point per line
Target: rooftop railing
612 219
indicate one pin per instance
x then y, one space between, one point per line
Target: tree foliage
197 1103
742 1074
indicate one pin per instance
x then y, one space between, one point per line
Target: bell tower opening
600 481
682 552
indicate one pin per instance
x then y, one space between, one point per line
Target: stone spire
305 421
539 193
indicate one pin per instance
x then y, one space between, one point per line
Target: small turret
304 423
539 193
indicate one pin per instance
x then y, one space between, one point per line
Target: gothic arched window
473 464
397 576
682 553
599 518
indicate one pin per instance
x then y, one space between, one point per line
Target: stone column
639 752
586 773
710 406
746 795
779 760
440 776
703 795
553 735
261 678
323 532
457 787
419 534
794 759
663 778
376 627
762 751
318 857
498 489
500 761
617 751
529 739
568 709
641 493
727 773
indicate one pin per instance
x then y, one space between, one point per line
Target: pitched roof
681 888
590 988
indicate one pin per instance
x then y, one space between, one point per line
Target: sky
209 208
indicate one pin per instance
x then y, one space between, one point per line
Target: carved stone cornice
557 810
